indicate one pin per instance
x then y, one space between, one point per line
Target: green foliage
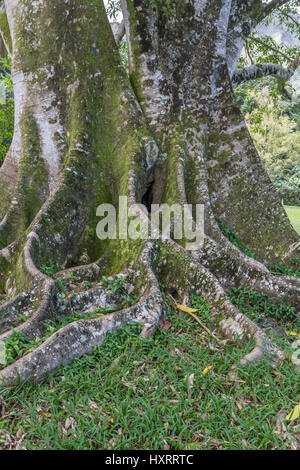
123 51
5 299
280 269
6 109
265 49
255 304
56 324
50 268
234 239
61 285
17 346
287 17
292 110
246 101
113 8
114 284
293 213
167 7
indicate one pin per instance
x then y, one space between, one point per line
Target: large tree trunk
85 135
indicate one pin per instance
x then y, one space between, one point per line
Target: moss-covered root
82 336
178 270
172 265
74 340
233 268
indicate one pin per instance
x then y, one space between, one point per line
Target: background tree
85 134
273 122
278 140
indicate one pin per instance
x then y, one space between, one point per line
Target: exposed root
201 281
76 339
35 326
10 311
233 268
82 336
108 151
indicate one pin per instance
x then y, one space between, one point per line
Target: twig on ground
197 319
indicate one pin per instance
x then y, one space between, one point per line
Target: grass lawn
172 391
294 214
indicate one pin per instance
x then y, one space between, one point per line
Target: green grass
134 394
293 213
255 305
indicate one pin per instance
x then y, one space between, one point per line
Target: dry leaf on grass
294 414
191 382
164 324
186 309
281 430
206 370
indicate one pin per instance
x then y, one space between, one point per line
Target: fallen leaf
70 423
166 445
164 324
206 370
186 309
294 414
282 431
93 406
191 382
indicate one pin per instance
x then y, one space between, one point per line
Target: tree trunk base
80 337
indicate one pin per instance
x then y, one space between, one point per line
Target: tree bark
261 70
85 135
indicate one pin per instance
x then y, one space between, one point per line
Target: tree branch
290 17
256 9
259 41
245 16
273 5
261 70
